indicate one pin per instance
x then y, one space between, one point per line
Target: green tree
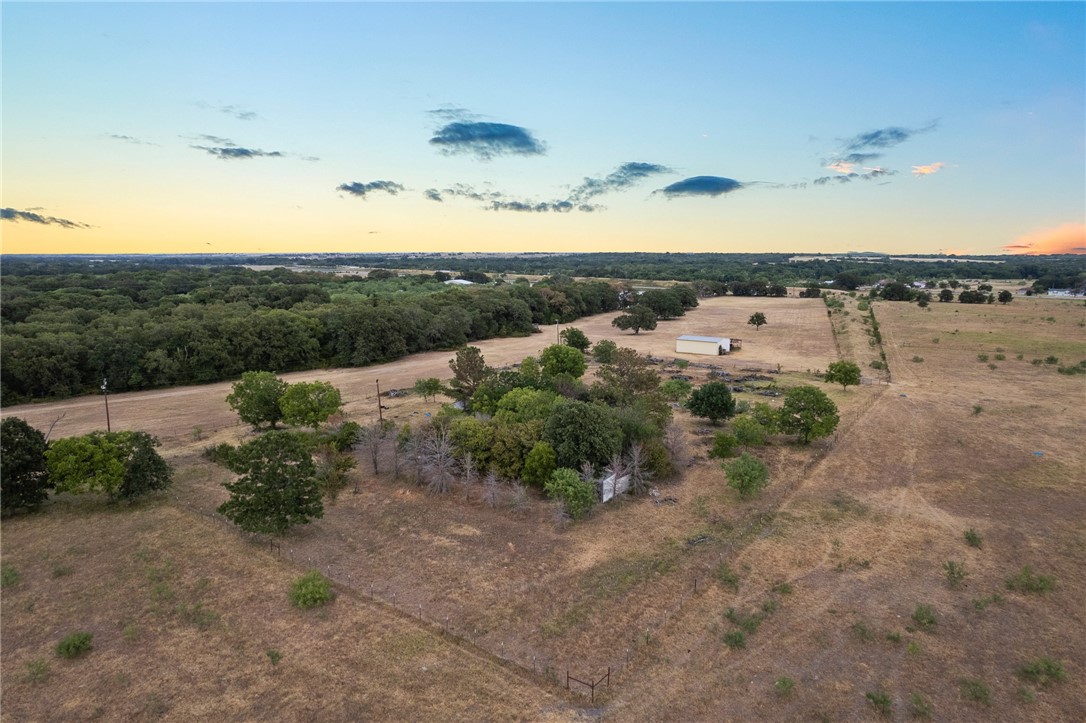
575 338
580 432
428 388
560 359
256 398
1005 297
757 320
712 401
663 302
845 373
676 390
539 465
469 371
577 496
309 404
121 465
946 295
747 475
277 487
24 481
637 317
808 412
749 432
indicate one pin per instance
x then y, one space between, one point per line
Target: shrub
1043 671
724 445
676 390
924 617
1052 360
1027 581
749 432
976 690
728 577
747 475
274 656
972 538
1000 357
983 602
920 707
955 573
982 357
310 590
735 639
918 359
876 364
783 588
577 496
882 703
977 409
784 687
37 670
9 576
74 645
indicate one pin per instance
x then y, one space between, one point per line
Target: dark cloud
701 186
883 138
433 194
531 207
11 214
361 189
860 158
620 179
486 140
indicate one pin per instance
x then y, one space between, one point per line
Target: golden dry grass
859 525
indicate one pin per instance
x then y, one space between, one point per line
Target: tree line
63 334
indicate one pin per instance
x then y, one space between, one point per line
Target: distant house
1062 292
709 345
459 282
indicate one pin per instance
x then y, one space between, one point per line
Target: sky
567 127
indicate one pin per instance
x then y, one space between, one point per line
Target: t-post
380 416
105 396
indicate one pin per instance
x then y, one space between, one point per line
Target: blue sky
810 127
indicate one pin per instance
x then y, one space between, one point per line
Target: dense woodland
153 321
153 327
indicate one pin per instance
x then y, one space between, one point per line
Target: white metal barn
711 345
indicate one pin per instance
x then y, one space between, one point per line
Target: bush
976 690
749 432
924 617
310 590
920 707
1027 581
577 496
74 645
9 576
23 478
676 390
735 639
881 701
972 538
747 475
1043 671
724 445
955 573
784 687
727 577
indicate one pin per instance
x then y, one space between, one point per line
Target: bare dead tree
677 446
468 474
62 416
636 469
519 502
588 472
492 489
616 470
439 461
373 439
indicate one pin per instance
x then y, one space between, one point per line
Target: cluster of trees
983 294
63 334
531 423
655 305
262 398
120 465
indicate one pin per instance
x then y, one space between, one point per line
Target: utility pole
380 416
557 334
105 396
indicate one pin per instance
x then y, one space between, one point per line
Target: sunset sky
726 127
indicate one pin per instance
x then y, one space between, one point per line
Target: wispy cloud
359 189
498 201
233 110
868 174
931 168
130 139
486 140
1069 238
226 149
620 179
11 214
884 138
712 186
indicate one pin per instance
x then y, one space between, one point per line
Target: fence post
567 678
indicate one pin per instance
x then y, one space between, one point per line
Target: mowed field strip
857 527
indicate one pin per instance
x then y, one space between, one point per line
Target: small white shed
711 345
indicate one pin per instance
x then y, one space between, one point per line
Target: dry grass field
451 609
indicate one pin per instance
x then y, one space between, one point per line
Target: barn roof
690 337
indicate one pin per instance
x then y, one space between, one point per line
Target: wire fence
510 652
